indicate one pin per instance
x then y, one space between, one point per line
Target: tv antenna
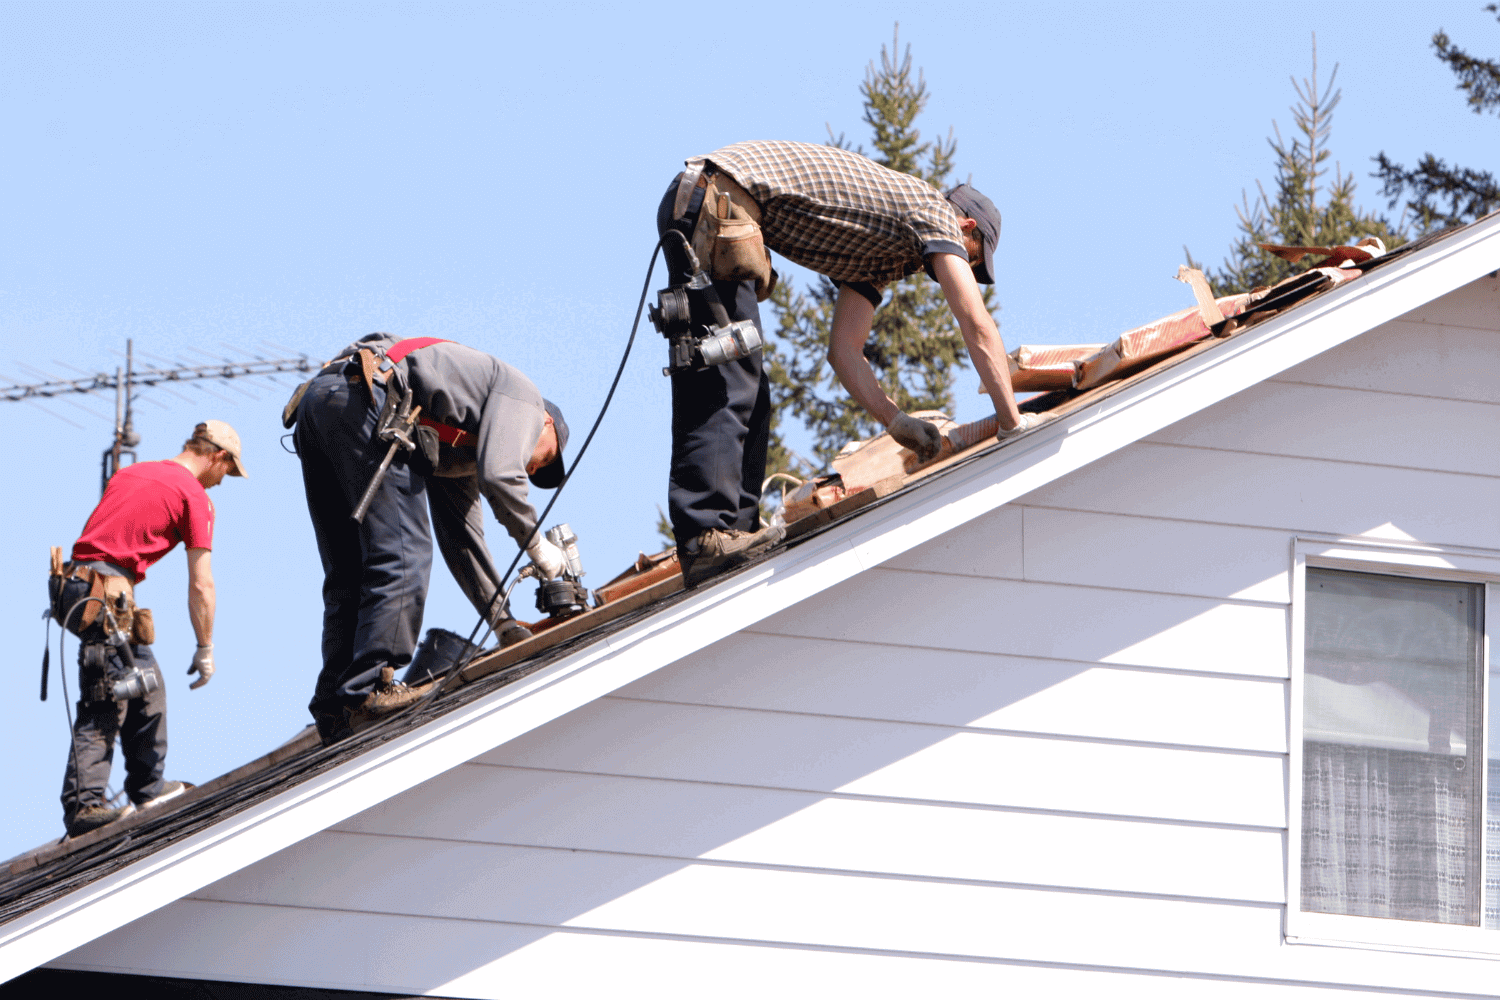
127 378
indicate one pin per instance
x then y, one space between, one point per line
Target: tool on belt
692 317
111 597
397 424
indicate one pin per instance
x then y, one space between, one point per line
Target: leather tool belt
117 589
366 365
726 232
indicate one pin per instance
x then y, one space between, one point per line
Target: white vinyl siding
1045 754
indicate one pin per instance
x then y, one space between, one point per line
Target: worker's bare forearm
981 336
201 603
852 316
201 596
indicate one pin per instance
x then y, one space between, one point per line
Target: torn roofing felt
874 498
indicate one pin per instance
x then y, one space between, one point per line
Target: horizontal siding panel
1044 620
1088 777
1147 553
296 947
661 818
681 819
989 545
944 687
1022 848
552 886
1475 305
1426 359
1294 494
454 958
1353 425
903 761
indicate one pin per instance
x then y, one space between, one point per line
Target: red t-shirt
147 508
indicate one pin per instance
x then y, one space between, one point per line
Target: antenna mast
127 378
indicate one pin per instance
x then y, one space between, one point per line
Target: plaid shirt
842 214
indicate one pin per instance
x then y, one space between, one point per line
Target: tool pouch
429 445
143 632
88 613
289 411
728 239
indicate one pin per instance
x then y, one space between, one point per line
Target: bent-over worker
487 432
147 508
862 225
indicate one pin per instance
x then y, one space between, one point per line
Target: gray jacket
478 393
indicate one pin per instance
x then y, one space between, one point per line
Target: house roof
56 898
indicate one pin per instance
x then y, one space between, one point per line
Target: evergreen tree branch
1478 78
1469 194
1442 196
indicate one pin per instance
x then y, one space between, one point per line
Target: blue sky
195 176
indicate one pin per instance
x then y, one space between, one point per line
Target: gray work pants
140 725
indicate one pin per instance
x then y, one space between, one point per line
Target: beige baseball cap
222 436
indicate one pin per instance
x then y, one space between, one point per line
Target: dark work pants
374 573
140 724
721 426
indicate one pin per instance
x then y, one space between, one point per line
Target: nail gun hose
484 622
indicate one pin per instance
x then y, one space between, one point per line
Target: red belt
450 435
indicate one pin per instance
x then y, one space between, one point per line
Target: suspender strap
367 368
401 348
447 434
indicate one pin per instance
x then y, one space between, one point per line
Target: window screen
1392 750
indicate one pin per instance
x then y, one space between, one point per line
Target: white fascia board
875 536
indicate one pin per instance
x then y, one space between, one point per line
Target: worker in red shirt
147 508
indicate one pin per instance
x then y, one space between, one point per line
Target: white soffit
872 537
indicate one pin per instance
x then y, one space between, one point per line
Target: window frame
1419 560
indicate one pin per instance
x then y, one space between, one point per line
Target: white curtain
1392 751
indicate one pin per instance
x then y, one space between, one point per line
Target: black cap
550 476
973 205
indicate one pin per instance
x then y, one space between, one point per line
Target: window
1391 765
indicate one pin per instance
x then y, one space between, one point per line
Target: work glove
203 666
548 558
1028 421
918 435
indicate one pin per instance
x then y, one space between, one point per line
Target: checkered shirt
842 214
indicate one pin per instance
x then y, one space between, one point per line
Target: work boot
93 817
389 697
170 790
511 632
717 550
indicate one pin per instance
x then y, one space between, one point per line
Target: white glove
203 666
548 558
1028 421
918 435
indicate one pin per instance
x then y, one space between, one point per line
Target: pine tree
1469 193
1304 212
915 346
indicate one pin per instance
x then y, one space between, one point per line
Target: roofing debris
865 472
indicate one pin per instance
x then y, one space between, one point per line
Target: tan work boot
93 817
717 550
390 696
